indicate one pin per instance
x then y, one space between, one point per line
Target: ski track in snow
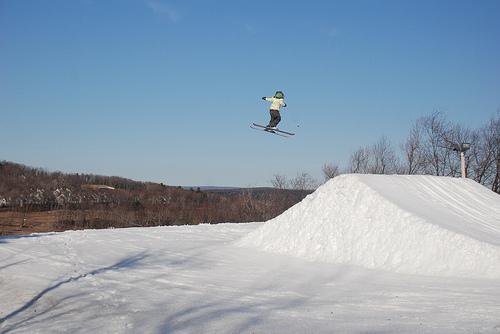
194 279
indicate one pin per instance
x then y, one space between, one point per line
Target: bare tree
379 158
359 161
303 181
495 124
413 157
430 148
280 182
330 171
383 158
435 151
495 139
484 163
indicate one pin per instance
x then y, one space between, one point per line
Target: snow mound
425 225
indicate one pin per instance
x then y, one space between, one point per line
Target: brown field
12 223
19 223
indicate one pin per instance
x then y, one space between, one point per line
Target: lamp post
462 148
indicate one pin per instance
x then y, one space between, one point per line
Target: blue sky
165 90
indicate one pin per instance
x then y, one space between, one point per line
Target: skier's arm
269 99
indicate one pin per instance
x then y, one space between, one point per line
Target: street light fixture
461 147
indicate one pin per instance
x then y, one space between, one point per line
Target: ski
275 130
272 132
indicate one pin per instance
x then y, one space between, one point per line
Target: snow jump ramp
427 225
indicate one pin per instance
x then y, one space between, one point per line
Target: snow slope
425 225
192 279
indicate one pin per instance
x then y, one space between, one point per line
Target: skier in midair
277 101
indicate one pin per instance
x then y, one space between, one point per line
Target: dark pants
275 118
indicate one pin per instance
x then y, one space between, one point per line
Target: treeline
79 201
428 149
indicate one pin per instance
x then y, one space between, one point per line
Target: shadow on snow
126 263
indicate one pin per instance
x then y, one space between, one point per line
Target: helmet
279 95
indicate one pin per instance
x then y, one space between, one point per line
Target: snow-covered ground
414 224
193 279
363 254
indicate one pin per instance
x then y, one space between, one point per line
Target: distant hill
34 199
